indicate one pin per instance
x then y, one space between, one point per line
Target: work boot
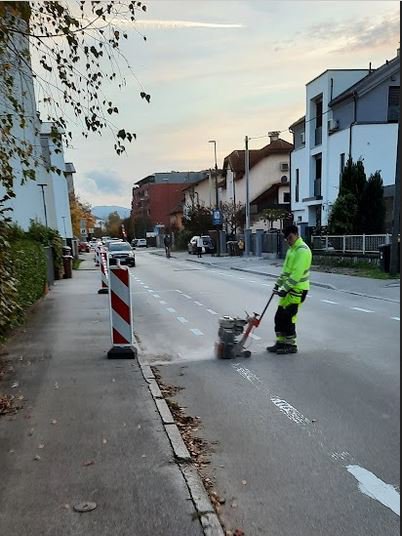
274 349
287 349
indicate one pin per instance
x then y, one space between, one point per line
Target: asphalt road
307 444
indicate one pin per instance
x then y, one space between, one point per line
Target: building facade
349 114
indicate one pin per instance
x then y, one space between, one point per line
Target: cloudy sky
221 69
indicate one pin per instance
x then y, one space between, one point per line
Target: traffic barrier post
104 273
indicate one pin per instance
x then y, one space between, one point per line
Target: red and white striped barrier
121 315
104 273
97 255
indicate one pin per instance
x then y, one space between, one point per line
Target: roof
298 122
334 71
370 80
236 159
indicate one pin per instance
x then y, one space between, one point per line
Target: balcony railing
318 136
317 188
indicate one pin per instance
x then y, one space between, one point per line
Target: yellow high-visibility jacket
295 274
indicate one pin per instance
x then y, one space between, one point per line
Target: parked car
139 243
209 244
84 247
121 251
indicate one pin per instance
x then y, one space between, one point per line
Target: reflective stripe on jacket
296 269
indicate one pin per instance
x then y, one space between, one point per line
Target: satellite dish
284 179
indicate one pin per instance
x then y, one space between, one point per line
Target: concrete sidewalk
388 290
89 430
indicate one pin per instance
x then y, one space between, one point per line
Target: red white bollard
104 273
97 256
121 315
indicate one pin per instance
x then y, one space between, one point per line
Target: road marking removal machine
234 332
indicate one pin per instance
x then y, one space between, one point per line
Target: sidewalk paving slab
89 431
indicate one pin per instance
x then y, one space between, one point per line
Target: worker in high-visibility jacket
292 287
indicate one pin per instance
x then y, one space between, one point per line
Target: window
286 197
297 188
318 176
393 104
318 114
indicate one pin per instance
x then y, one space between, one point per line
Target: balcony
318 136
317 188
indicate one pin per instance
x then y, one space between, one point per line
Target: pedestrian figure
292 287
168 243
200 245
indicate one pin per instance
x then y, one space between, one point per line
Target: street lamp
42 186
216 173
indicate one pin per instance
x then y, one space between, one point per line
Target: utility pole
42 186
216 174
396 219
247 232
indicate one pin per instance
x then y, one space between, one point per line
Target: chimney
274 135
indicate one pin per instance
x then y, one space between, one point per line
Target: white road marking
369 483
329 301
222 273
156 295
267 284
362 310
255 337
373 487
150 290
395 318
212 312
252 281
196 332
187 296
241 278
179 291
199 304
182 319
170 309
162 302
145 286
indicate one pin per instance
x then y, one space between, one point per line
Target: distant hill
103 212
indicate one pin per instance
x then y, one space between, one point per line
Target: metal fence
363 244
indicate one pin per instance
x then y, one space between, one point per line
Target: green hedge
29 270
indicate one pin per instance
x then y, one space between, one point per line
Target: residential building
44 199
203 192
268 178
349 114
156 196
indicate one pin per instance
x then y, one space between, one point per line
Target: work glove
281 292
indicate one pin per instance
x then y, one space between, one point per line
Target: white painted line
222 273
156 295
212 312
162 302
187 296
179 291
196 332
252 281
170 309
331 302
267 284
242 278
376 489
362 310
150 290
199 304
255 337
182 320
395 318
145 286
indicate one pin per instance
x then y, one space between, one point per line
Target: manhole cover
84 507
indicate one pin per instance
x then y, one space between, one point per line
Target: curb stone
207 515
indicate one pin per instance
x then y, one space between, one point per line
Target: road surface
306 444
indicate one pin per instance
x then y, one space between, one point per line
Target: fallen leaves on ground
8 405
198 448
